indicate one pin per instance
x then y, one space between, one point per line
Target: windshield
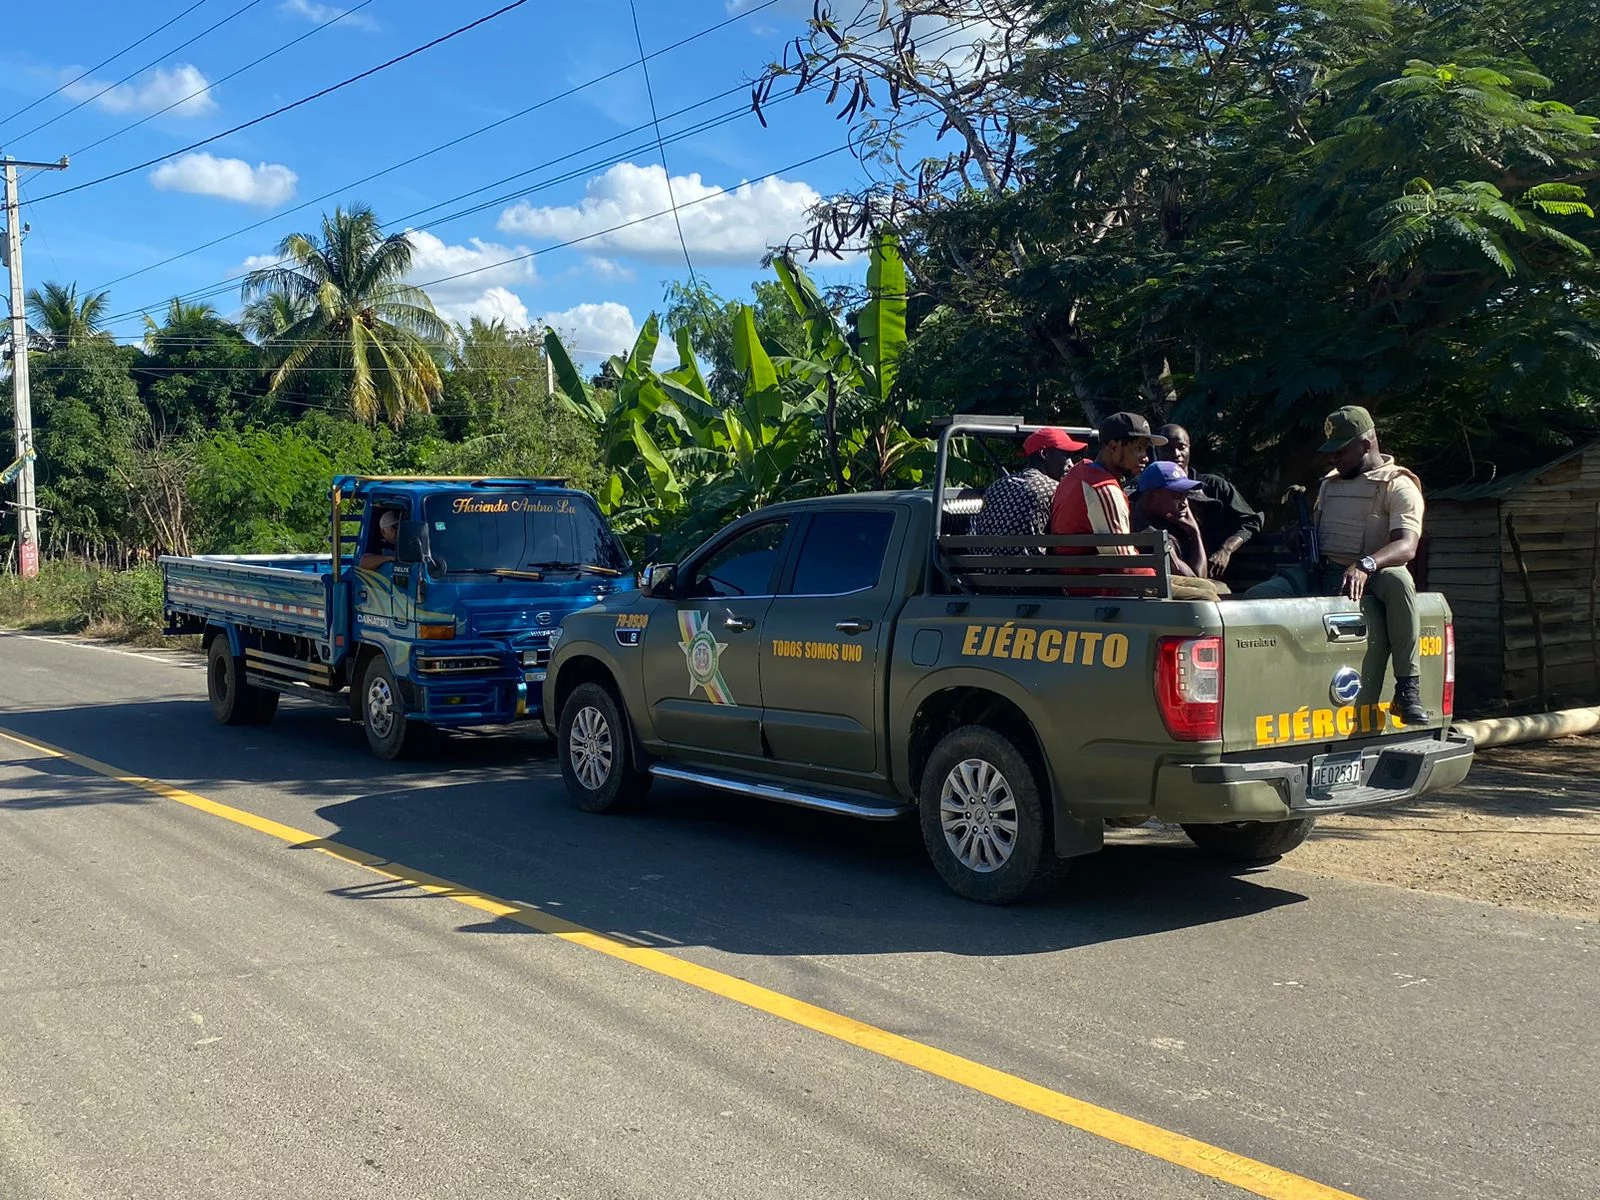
511 531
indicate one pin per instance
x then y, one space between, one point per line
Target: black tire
233 701
383 711
1250 841
1002 860
596 753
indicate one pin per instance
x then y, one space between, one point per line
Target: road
241 962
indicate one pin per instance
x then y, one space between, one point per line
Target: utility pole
27 503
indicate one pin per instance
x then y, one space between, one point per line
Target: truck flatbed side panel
287 598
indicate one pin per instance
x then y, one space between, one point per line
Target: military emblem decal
703 653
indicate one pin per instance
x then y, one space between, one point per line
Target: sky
497 210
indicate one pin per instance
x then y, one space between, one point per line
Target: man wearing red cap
1020 504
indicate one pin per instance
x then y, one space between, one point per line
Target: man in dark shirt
1226 519
1020 503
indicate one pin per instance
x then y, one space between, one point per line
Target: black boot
1408 702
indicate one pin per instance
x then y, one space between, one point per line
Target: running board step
778 793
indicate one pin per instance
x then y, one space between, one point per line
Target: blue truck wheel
383 711
234 701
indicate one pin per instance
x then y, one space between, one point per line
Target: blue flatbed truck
448 622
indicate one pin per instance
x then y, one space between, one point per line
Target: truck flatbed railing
990 564
980 564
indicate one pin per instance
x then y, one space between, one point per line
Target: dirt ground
1523 830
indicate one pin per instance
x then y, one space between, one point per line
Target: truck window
743 566
514 531
843 552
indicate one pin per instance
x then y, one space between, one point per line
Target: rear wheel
593 743
983 819
383 711
1250 841
233 700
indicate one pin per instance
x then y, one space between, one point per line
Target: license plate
534 676
1330 772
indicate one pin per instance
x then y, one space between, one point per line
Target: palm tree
265 319
360 318
66 319
183 318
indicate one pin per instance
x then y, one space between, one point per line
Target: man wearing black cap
1090 498
1369 521
1020 504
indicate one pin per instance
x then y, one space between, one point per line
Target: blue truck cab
439 605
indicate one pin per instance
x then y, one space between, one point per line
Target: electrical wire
279 111
238 12
103 62
661 146
343 13
416 158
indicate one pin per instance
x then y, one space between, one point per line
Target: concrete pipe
1535 727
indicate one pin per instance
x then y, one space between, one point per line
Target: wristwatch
1368 564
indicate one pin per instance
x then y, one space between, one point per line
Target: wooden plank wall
1557 517
1462 558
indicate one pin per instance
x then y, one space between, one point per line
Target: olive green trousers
1390 605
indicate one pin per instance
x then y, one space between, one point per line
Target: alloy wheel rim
380 708
589 746
978 814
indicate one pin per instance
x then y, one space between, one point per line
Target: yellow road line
1200 1157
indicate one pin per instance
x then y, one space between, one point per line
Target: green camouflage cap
1345 426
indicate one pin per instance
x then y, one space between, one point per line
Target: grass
75 597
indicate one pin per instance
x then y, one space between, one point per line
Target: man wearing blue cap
1369 523
1161 501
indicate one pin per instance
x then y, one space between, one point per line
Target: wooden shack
1518 559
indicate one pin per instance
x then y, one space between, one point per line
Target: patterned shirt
1018 504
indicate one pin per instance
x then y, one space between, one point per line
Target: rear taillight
1189 687
1449 703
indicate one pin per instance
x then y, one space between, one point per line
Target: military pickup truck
862 655
448 622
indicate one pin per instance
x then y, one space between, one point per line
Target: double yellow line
1200 1157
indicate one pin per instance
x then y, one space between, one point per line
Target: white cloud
229 178
323 13
607 269
493 304
154 92
594 331
732 227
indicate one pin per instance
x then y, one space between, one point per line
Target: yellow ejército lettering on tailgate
1324 724
831 652
1074 647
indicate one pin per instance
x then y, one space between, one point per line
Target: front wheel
983 819
383 711
593 744
1250 841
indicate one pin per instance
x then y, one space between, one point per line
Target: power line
343 13
103 62
238 12
661 146
277 112
416 158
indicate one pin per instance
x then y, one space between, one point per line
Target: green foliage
263 491
67 319
73 596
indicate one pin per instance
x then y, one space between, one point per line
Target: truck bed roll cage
966 564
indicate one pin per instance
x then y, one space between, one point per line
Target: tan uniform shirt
1355 516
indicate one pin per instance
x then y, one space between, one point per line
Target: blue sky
112 235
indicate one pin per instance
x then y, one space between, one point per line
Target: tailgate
1313 671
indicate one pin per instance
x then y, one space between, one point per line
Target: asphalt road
193 1007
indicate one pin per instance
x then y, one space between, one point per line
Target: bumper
1391 772
463 700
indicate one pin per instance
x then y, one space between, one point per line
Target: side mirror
411 543
656 580
652 547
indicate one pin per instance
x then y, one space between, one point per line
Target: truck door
381 594
826 640
702 667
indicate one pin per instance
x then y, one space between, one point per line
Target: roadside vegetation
1237 217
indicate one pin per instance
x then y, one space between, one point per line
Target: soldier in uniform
1369 520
